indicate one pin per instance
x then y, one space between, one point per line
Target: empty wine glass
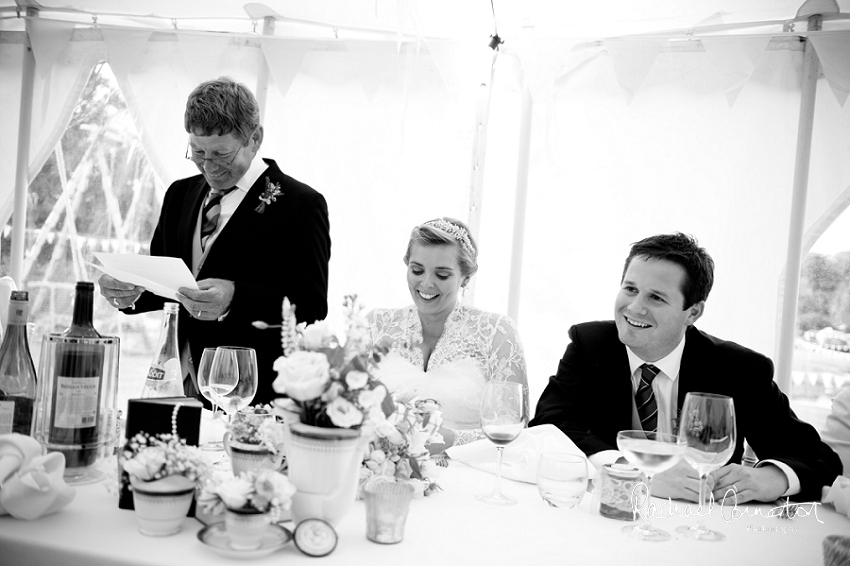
233 377
204 369
502 419
707 426
651 452
562 479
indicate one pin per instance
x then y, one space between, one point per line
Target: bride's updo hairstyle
447 231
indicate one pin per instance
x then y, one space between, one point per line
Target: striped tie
211 212
645 399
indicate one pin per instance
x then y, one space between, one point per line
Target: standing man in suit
665 283
249 233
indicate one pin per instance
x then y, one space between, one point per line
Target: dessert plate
216 538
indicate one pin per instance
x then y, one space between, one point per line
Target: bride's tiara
457 232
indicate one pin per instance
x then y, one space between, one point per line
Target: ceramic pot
246 457
245 528
161 506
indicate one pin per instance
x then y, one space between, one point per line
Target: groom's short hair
681 249
220 107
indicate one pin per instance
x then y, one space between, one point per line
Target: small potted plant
254 440
164 472
250 501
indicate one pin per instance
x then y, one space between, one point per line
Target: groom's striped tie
645 400
211 212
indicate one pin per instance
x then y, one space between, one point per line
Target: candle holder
387 504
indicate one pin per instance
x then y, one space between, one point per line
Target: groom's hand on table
742 484
679 482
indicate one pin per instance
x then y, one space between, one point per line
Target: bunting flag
833 50
632 60
284 58
202 53
543 62
49 39
372 62
457 64
125 49
733 61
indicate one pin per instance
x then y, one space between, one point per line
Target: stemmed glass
502 419
707 426
233 377
651 452
204 370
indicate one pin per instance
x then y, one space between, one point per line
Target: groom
248 232
602 381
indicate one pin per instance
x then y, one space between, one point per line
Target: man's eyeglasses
197 157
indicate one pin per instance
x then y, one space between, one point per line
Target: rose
356 379
372 397
343 413
302 375
316 335
235 492
146 464
388 430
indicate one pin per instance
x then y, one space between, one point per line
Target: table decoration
250 501
217 538
332 404
562 479
164 472
399 451
254 440
387 504
838 495
31 484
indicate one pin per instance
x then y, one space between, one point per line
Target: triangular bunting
632 60
715 19
733 61
125 49
201 54
372 62
453 63
833 50
542 63
48 38
284 57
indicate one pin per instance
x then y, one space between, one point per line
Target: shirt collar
669 364
257 168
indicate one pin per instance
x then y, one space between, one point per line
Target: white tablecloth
448 528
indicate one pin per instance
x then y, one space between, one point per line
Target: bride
438 347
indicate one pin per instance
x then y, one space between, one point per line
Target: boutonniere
269 195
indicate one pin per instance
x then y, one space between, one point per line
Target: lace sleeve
506 361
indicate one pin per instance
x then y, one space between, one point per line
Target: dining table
447 527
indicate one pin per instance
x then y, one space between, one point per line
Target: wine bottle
17 371
165 376
77 386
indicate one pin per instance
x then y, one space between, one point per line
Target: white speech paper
158 274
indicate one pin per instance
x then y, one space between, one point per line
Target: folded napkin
839 495
521 456
31 485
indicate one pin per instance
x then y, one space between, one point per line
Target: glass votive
562 479
387 504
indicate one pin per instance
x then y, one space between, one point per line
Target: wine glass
233 377
651 452
204 369
502 419
707 426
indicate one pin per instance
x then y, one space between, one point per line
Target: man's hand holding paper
210 300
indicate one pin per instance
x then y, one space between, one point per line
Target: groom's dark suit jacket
283 251
590 400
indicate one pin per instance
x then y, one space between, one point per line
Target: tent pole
793 260
19 217
479 152
523 160
263 75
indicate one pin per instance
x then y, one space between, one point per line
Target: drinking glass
204 369
651 452
502 419
562 479
233 377
707 426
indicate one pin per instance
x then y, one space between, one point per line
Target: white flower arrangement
263 491
258 425
149 458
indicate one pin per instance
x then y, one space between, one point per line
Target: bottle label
7 411
156 374
76 401
18 312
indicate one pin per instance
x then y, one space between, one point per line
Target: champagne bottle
165 376
17 372
77 386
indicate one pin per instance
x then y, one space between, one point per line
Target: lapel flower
269 195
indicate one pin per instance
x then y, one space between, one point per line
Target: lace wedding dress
476 347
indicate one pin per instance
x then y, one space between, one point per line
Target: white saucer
215 537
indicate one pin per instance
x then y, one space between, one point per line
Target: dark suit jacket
282 252
590 400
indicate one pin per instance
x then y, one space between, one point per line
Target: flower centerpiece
399 451
255 439
163 472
